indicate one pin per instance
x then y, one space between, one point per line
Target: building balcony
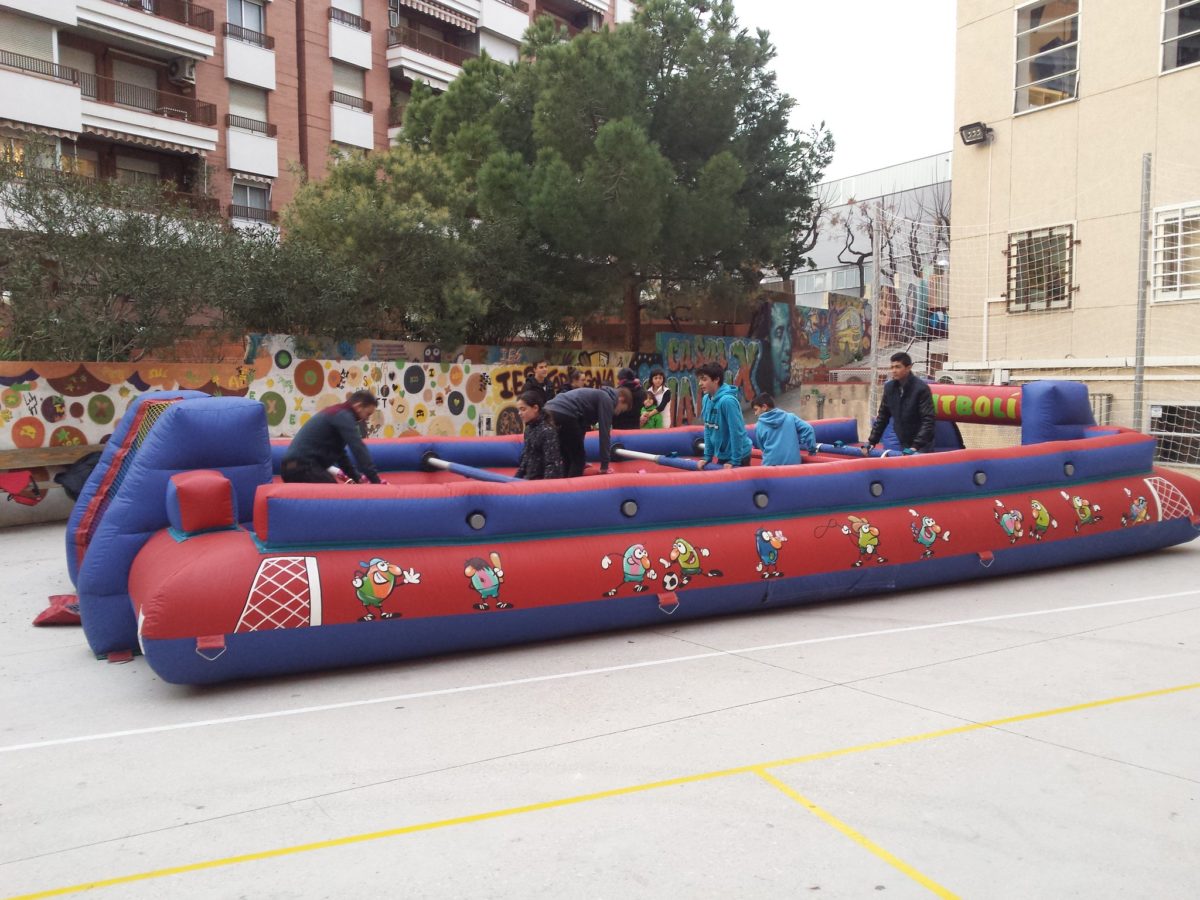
251 146
349 38
249 57
351 121
252 214
61 12
116 108
506 18
40 92
180 27
423 58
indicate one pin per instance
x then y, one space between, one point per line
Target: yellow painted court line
857 836
755 768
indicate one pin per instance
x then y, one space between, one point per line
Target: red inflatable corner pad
203 500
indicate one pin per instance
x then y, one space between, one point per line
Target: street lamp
975 133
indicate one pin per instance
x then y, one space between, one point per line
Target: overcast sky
880 73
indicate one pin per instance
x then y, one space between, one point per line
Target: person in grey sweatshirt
575 412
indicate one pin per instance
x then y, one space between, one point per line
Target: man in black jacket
324 440
908 404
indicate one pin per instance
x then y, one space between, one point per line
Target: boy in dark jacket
325 439
908 405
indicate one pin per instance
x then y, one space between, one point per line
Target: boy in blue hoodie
781 435
725 438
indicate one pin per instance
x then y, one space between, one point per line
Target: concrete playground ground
1032 736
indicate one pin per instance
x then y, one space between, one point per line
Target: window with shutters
134 170
248 103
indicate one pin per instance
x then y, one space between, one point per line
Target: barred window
1176 253
1040 268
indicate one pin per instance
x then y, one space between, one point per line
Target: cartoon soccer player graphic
486 576
1012 521
375 582
768 544
635 568
1139 511
926 532
1042 520
687 557
865 537
1086 513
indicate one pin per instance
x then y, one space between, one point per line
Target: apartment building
1076 201
224 101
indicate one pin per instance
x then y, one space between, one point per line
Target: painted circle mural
456 375
414 379
10 398
54 409
276 407
476 389
77 409
309 378
283 359
28 432
100 409
456 403
67 436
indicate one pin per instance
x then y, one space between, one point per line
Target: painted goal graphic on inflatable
1172 504
286 594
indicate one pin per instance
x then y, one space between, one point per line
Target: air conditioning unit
181 70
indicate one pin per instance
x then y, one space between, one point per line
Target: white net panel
286 594
1172 503
1054 295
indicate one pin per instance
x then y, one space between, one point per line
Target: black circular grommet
614 447
1069 469
876 488
629 509
477 520
761 499
698 447
981 478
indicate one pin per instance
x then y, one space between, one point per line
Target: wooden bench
38 457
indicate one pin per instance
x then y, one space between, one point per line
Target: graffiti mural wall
682 354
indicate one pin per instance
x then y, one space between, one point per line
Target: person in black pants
575 411
631 417
908 405
324 441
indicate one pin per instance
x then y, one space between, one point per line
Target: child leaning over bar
540 456
780 435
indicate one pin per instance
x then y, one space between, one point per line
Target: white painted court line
537 679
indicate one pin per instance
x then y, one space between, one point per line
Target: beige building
1057 254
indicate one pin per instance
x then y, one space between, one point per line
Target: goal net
286 593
